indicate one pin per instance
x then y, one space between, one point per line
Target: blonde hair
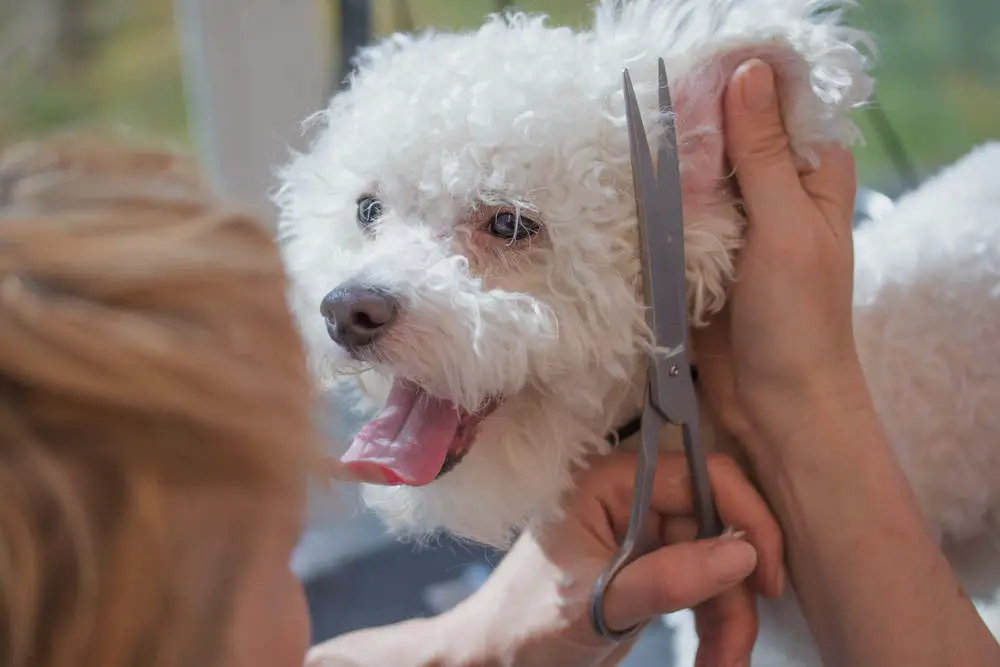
146 353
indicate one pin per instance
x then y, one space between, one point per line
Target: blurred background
72 62
232 79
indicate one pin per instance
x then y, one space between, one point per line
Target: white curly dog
461 240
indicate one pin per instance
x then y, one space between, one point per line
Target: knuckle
588 479
724 467
734 419
768 147
589 476
596 466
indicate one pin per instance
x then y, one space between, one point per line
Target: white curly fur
444 128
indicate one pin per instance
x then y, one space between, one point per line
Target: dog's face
462 243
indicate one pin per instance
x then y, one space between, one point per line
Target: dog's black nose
356 315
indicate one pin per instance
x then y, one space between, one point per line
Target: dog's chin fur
447 128
513 468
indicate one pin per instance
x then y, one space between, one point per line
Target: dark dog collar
631 427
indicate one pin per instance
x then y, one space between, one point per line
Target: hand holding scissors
670 394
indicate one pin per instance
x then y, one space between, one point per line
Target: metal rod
355 34
893 145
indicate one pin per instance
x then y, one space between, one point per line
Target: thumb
756 142
680 576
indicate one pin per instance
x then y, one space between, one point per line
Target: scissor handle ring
597 620
630 548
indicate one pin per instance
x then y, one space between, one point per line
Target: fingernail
756 85
731 560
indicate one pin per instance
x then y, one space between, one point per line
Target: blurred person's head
155 430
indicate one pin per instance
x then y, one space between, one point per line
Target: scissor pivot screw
675 370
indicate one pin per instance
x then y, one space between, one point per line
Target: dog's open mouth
414 439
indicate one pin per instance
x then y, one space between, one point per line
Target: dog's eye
369 210
510 226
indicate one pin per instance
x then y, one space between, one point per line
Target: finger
675 530
739 504
833 187
677 577
685 529
741 507
727 628
757 145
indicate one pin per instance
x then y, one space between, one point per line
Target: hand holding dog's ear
786 332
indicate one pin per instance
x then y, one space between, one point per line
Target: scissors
670 393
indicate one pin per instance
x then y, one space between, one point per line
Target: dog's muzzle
358 315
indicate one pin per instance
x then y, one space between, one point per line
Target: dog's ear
821 73
821 64
817 91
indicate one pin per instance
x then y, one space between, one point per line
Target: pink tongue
408 441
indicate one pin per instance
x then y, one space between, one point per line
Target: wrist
833 454
788 421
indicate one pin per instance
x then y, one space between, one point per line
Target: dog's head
462 235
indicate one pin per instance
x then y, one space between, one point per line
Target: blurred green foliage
132 78
938 73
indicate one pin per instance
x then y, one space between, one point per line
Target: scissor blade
669 288
660 232
644 185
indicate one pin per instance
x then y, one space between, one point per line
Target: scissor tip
627 77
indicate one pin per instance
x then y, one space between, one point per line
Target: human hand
784 342
535 608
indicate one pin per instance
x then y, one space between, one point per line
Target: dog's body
464 228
